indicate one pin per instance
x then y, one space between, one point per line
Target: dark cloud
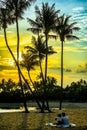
68 70
55 68
58 68
82 69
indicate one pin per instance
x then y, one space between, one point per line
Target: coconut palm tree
5 19
65 31
29 61
8 4
44 24
39 49
17 8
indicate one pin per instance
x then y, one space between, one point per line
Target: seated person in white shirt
65 120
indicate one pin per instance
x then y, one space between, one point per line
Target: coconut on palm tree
65 31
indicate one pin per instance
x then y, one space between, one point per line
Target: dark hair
63 114
59 115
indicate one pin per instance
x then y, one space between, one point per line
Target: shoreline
32 106
51 104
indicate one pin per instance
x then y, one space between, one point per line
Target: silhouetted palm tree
65 31
16 9
39 49
44 23
5 19
29 61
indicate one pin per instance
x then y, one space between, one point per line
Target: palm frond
17 7
30 49
32 22
52 36
67 20
76 28
37 11
34 30
71 37
29 61
64 29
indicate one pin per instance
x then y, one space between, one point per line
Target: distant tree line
75 92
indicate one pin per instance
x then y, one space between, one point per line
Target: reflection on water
17 110
10 110
16 107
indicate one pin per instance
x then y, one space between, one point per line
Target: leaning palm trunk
20 80
61 92
43 105
21 72
24 101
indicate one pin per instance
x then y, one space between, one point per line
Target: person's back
65 119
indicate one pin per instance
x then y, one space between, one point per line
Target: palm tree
65 31
5 19
44 23
17 8
39 49
29 61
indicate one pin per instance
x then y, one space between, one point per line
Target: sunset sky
75 52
